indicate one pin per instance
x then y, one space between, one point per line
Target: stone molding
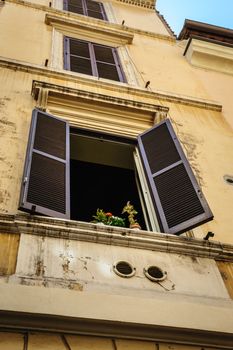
68 76
38 86
150 4
118 36
115 329
65 15
109 235
210 54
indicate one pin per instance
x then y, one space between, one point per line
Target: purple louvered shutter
45 188
95 9
92 59
179 202
75 6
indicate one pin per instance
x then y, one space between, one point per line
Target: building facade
100 104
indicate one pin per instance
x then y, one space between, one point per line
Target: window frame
85 9
186 224
92 59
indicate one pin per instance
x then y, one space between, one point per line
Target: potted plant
108 219
129 209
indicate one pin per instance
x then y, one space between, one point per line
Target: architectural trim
210 54
149 4
116 86
90 28
111 26
11 321
37 86
89 232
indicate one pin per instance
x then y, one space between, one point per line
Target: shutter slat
107 71
104 54
80 65
176 194
46 190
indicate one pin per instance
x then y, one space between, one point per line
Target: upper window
86 8
92 59
69 174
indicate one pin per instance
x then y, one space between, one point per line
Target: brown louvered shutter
95 9
179 202
107 63
78 56
45 188
75 6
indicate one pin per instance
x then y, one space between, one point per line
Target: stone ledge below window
110 235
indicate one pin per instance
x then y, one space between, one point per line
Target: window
101 172
86 8
92 59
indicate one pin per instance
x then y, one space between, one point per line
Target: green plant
108 218
129 209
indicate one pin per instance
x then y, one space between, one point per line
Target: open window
86 7
87 170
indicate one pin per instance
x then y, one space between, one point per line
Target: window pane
104 54
79 48
98 15
75 9
80 65
108 71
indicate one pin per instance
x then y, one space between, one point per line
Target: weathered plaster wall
138 17
85 266
27 37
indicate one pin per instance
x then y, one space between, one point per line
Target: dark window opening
102 176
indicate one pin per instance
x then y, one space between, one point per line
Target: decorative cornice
23 321
210 54
89 232
106 99
108 85
150 4
89 20
117 35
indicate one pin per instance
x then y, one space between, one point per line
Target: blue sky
217 12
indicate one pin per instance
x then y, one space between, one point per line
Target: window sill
110 235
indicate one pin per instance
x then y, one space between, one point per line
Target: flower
108 218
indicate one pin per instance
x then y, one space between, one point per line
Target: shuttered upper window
86 8
92 59
177 198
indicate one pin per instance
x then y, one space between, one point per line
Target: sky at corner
216 12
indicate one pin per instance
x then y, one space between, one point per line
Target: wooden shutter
92 59
45 187
75 6
179 202
95 9
107 63
77 56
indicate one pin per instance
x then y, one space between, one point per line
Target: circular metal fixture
228 179
124 269
155 273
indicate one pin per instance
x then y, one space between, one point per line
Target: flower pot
135 226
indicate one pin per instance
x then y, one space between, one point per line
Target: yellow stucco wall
205 135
